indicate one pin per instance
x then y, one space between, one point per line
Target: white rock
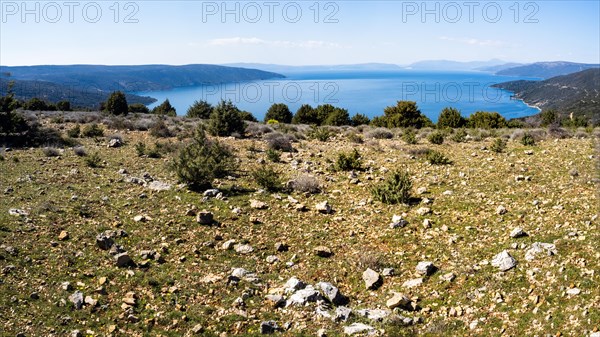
355 328
504 261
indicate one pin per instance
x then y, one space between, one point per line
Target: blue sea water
366 92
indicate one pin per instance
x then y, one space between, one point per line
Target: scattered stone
321 333
388 272
77 299
573 173
141 218
115 142
426 223
376 315
323 251
355 328
197 329
324 207
528 152
504 261
17 212
256 204
422 190
211 193
412 283
449 277
372 279
293 284
228 245
66 286
76 333
423 211
104 241
342 314
89 300
64 235
501 210
204 217
281 247
268 327
159 186
426 268
538 248
518 232
397 300
243 249
332 293
398 222
573 291
276 301
34 296
272 259
302 296
123 260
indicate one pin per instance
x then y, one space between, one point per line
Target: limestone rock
504 261
372 279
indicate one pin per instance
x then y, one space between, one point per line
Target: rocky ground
492 244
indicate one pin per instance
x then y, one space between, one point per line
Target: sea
360 91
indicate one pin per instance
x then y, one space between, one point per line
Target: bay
366 92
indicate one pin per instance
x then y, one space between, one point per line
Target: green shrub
306 114
337 117
404 114
319 133
140 149
226 120
486 120
74 132
273 155
359 119
436 137
349 161
450 118
116 104
395 189
92 130
138 108
380 133
460 136
277 141
527 140
248 116
279 112
498 146
165 109
203 160
200 109
437 158
267 178
93 160
80 151
409 137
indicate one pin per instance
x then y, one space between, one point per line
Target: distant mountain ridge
546 70
454 65
279 68
135 78
577 93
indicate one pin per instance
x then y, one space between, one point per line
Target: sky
296 32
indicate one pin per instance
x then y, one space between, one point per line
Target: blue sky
285 32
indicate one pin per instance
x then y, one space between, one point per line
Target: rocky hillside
547 69
577 93
100 240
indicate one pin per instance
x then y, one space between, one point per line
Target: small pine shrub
349 161
92 130
436 138
74 132
277 141
93 160
437 158
527 140
320 134
498 146
267 178
460 136
203 160
395 189
273 155
409 137
140 149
